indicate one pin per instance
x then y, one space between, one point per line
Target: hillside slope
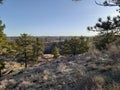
89 71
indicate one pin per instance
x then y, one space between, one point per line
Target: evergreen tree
3 40
55 51
24 49
60 39
38 48
109 31
75 46
46 39
12 49
1 1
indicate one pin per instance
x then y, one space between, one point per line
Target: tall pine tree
2 44
24 43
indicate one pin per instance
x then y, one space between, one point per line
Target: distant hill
48 38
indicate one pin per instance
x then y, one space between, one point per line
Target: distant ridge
49 38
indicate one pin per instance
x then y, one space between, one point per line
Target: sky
52 17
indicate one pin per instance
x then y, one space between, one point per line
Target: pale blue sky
51 17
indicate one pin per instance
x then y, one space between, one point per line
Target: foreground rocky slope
90 71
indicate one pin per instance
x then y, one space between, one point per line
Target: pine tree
108 31
75 46
3 40
24 49
12 49
55 51
38 48
1 1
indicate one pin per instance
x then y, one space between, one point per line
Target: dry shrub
25 84
115 74
114 51
104 68
92 83
35 77
4 84
92 66
62 67
113 86
46 73
93 55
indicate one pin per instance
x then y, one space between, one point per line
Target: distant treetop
109 3
1 1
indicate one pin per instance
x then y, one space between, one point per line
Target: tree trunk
25 56
0 73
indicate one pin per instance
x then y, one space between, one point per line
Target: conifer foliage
3 43
1 1
28 48
38 48
55 51
3 40
24 43
109 31
75 46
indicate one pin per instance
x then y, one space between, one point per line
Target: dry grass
25 84
114 51
7 84
113 86
92 82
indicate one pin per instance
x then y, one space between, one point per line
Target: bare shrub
94 54
4 84
114 51
92 83
113 86
115 74
25 84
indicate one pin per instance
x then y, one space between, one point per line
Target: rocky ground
89 71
